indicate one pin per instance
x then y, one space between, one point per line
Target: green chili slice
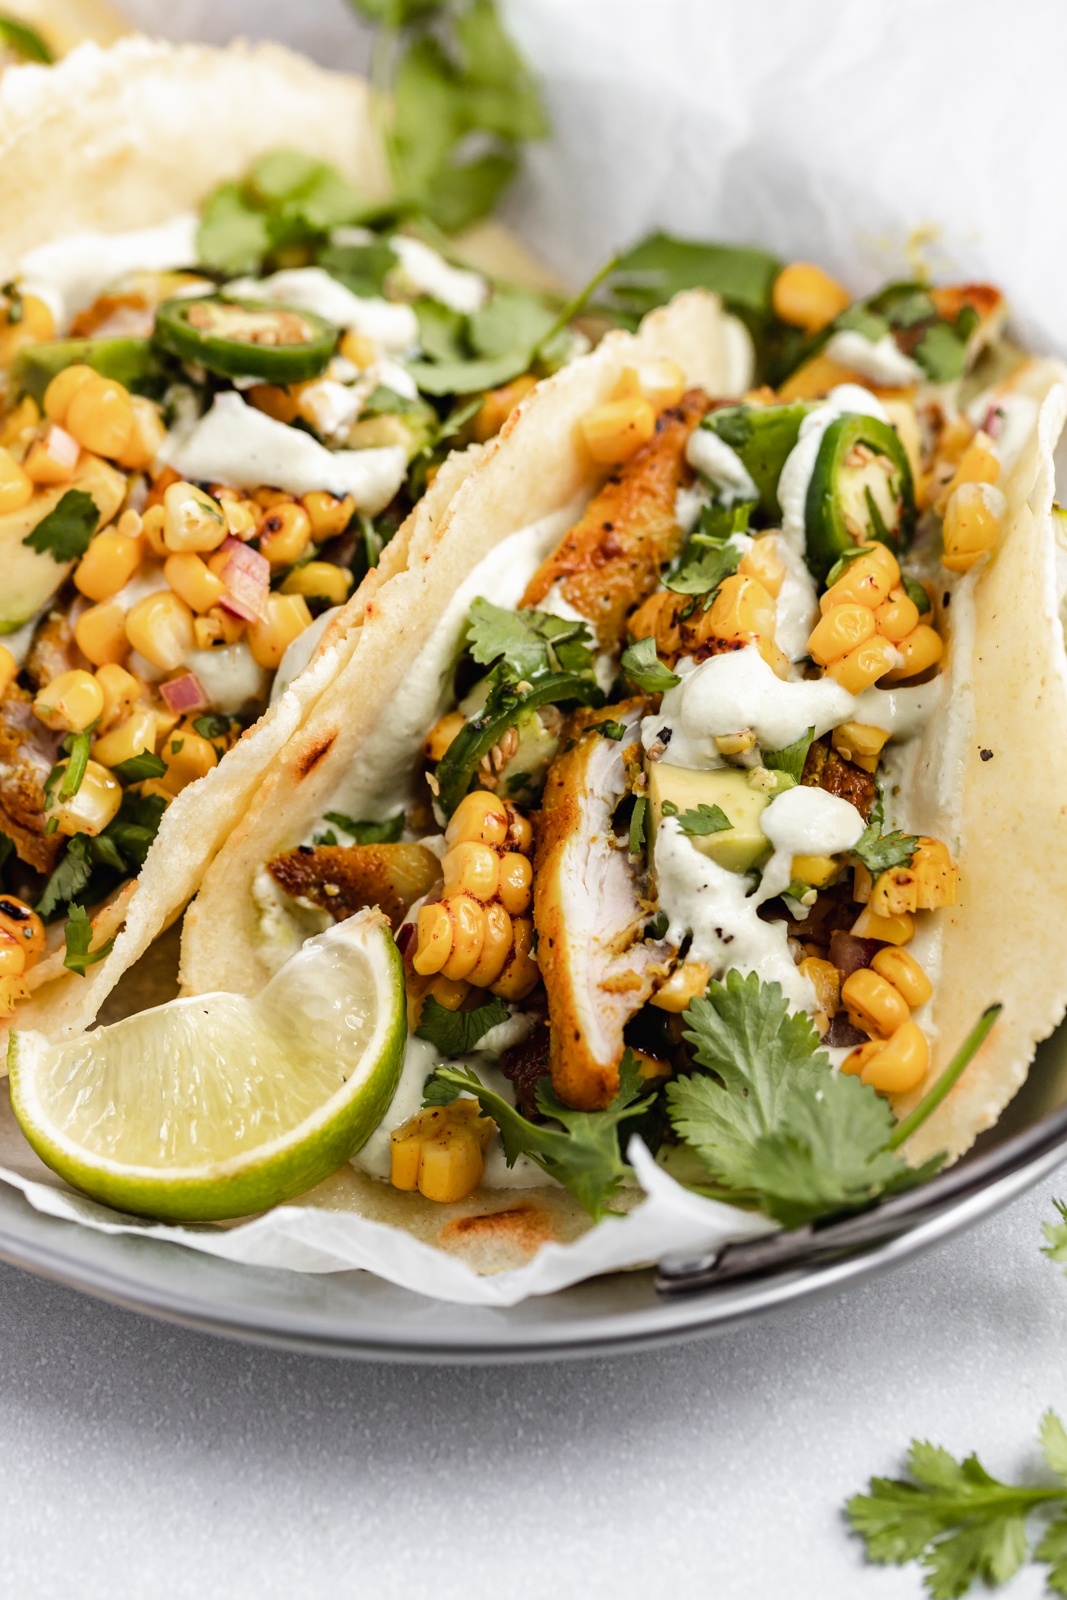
861 490
246 338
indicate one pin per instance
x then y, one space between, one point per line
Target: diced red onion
184 694
247 578
994 422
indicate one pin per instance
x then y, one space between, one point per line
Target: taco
742 723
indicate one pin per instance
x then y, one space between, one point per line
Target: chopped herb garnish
642 666
454 1033
66 531
212 726
69 877
790 758
528 642
916 594
136 768
387 832
77 747
608 729
79 936
704 820
637 825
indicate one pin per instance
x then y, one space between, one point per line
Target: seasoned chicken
342 879
611 559
597 967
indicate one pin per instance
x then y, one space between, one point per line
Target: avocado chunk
739 848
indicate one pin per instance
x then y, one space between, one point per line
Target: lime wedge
219 1106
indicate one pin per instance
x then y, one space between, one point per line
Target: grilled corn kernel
92 808
188 756
481 816
100 416
131 738
978 464
468 935
841 629
922 649
896 928
446 993
872 1003
12 955
516 883
684 984
287 616
70 702
108 565
825 980
146 436
928 883
496 946
900 1064
441 1151
860 743
152 525
434 944
471 868
18 426
866 581
441 735
240 517
742 609
357 348
497 407
763 563
52 459
863 666
8 669
160 628
100 634
520 832
284 534
24 924
896 617
218 627
327 513
521 972
858 1058
616 430
121 693
35 325
904 973
974 521
193 581
192 519
62 389
319 580
807 297
816 871
16 486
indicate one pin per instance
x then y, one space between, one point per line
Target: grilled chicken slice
342 879
611 559
597 967
27 753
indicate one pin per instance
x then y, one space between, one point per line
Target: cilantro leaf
702 567
643 667
608 729
704 820
454 1033
528 642
790 758
24 41
637 825
582 1152
916 594
858 319
65 532
69 877
212 725
233 236
133 829
941 353
513 320
660 266
880 851
387 832
145 765
78 935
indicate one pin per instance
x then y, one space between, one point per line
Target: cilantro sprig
790 758
708 557
704 820
527 643
78 935
641 664
66 531
880 851
453 1033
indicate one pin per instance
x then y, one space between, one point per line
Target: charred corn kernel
160 628
857 1059
520 832
900 1064
434 940
146 436
131 738
92 808
19 425
742 609
928 883
472 868
152 525
866 581
616 430
496 947
895 929
841 629
859 742
192 519
468 935
287 616
448 994
188 756
218 627
651 1067
863 666
978 464
521 972
684 984
12 955
735 744
100 634
441 735
100 416
357 348
8 669
16 486
283 404
441 1151
266 498
904 973
327 513
896 617
166 722
807 297
497 407
284 534
922 649
155 788
70 702
516 883
405 1156
319 580
121 692
53 458
240 518
873 1003
825 980
816 871
481 816
763 563
108 565
974 520
191 579
24 924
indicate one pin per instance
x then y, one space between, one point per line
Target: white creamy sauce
797 605
423 271
805 822
391 375
390 324
721 465
903 712
880 361
237 445
720 910
148 579
229 676
689 502
800 462
1014 424
299 653
70 272
332 407
729 693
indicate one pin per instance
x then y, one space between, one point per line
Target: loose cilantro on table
582 1152
387 832
704 820
642 666
65 532
454 1033
790 758
528 642
78 935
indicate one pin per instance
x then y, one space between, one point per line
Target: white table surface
142 1460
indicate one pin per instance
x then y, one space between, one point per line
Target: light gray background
139 1460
